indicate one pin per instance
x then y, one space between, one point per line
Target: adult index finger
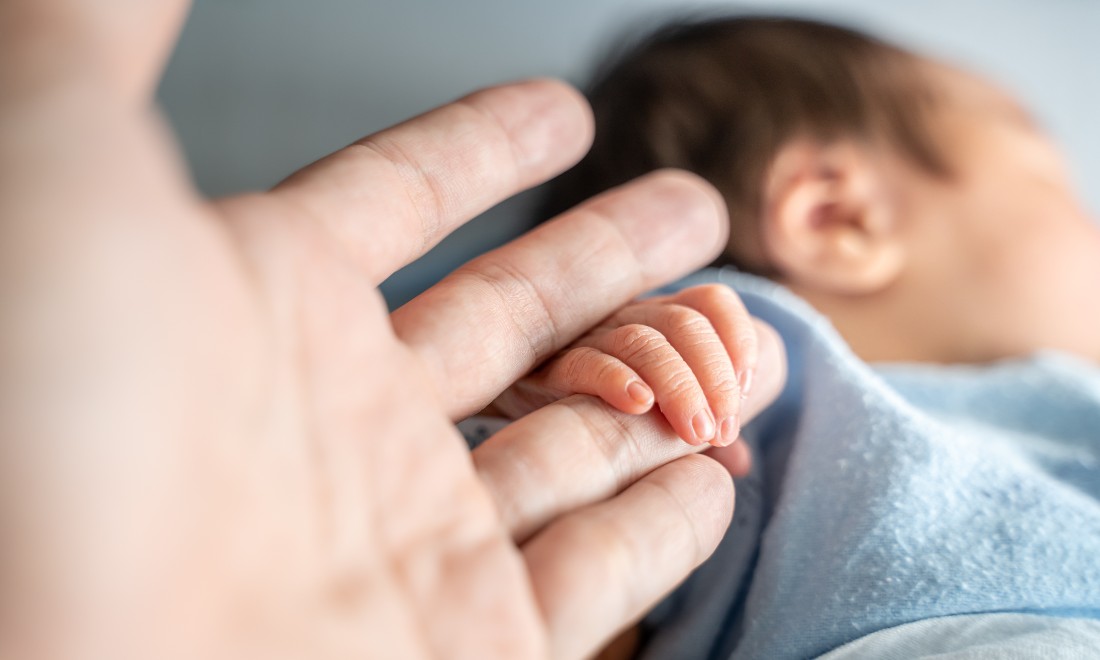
390 197
490 322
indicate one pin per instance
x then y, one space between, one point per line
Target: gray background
258 88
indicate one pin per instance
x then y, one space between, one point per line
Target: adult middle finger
490 322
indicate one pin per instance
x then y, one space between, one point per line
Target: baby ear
829 222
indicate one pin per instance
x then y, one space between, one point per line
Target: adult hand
213 443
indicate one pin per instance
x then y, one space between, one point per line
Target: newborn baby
929 482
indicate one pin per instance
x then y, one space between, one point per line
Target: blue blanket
891 494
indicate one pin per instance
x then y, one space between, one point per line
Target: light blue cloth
997 636
887 495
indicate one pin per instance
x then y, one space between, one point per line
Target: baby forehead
959 89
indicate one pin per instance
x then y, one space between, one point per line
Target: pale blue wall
259 87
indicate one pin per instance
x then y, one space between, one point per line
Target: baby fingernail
641 394
746 383
728 431
703 425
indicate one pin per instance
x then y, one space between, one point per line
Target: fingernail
641 394
728 431
703 425
746 383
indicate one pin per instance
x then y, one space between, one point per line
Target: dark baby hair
721 96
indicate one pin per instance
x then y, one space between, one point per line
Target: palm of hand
393 524
218 444
292 461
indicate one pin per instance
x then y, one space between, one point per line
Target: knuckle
518 298
574 365
685 321
635 342
591 366
682 386
608 368
430 199
723 387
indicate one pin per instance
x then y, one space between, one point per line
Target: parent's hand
212 441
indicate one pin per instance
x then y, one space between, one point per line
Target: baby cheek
1051 280
1072 283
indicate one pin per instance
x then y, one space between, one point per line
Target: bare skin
693 354
216 443
999 260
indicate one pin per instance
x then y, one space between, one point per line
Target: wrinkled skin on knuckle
687 324
574 364
724 387
635 342
608 369
586 366
680 387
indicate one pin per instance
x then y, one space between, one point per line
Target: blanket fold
887 495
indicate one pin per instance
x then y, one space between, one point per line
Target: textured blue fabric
887 495
991 636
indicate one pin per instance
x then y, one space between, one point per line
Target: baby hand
693 353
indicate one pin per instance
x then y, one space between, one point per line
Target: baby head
918 206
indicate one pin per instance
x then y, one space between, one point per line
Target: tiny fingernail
703 425
746 383
641 394
728 431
